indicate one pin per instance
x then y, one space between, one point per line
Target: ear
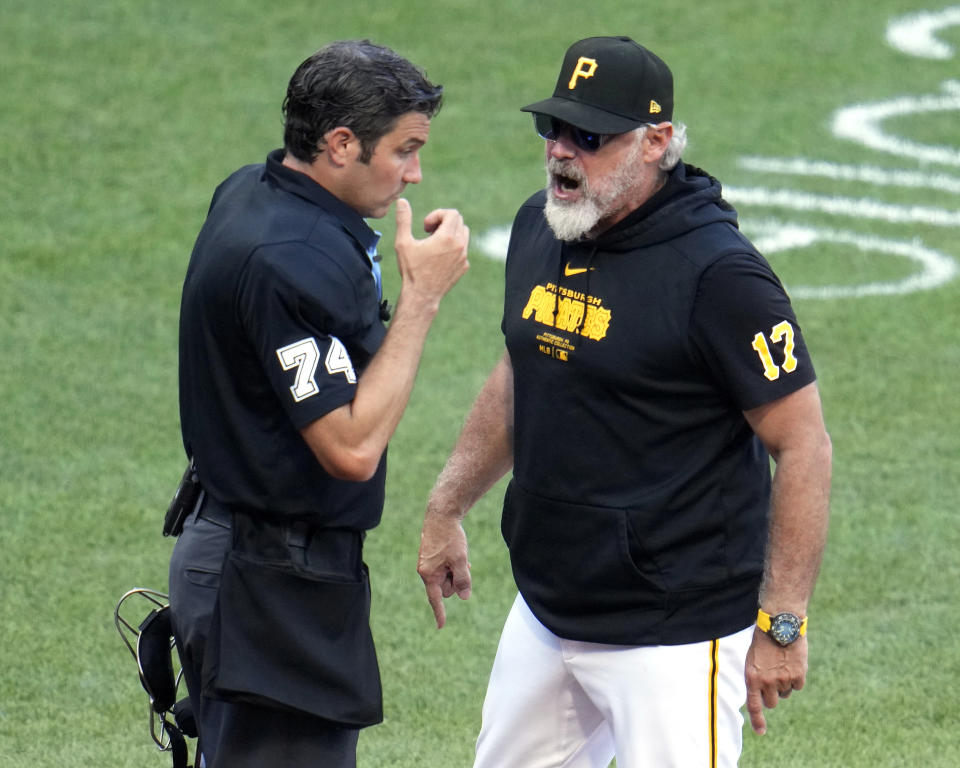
655 141
341 145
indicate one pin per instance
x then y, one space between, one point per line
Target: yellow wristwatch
784 628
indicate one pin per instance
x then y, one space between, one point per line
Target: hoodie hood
692 199
689 200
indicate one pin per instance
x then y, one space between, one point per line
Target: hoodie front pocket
572 561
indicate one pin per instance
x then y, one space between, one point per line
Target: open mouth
565 183
565 186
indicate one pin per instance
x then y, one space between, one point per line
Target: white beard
571 220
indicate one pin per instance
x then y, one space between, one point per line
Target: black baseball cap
610 85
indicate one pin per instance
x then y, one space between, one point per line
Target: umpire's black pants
241 735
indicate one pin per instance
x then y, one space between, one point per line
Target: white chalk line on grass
936 268
868 174
494 242
861 123
835 205
915 33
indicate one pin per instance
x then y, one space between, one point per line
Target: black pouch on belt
183 502
290 636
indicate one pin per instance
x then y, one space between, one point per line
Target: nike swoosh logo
569 271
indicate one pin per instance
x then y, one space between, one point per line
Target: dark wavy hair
357 84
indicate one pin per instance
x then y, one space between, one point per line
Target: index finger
755 708
435 598
441 217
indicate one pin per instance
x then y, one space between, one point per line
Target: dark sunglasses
550 128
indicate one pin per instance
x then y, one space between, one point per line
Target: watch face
785 628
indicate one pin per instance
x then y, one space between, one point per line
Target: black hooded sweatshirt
637 513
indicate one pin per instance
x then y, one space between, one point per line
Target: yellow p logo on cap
585 68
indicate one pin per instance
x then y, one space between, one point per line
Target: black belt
210 509
303 540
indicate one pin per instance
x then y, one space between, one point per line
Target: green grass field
119 118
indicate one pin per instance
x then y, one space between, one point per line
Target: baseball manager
653 365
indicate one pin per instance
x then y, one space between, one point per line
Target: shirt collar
303 186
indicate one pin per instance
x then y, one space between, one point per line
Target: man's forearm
798 525
349 441
482 455
484 451
384 389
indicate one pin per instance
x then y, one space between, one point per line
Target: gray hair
678 143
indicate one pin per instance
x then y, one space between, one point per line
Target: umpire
290 388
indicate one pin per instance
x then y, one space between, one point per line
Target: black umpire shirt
279 316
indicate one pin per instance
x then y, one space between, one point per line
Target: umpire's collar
300 184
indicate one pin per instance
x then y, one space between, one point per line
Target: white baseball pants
555 703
